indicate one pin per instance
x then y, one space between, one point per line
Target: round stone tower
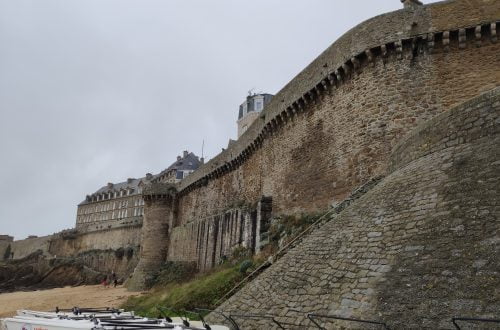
159 213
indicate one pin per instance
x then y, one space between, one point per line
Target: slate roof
189 162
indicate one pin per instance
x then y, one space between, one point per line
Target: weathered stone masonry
159 217
333 127
416 250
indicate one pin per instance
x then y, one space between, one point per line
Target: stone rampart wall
416 250
3 247
333 126
106 250
207 242
25 247
110 239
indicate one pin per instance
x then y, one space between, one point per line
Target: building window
258 105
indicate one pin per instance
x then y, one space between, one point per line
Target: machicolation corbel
355 63
462 39
399 48
383 50
493 30
430 42
446 41
369 55
478 35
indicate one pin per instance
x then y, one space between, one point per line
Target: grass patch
202 291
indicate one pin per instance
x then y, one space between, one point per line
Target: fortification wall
106 250
3 248
25 247
356 118
109 239
416 250
208 241
333 126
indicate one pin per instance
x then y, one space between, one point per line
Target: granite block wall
311 147
419 248
333 127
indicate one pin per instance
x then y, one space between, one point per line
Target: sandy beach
45 300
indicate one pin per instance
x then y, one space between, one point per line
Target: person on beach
113 277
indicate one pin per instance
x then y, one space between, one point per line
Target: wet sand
47 300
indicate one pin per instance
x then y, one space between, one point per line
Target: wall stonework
25 247
416 250
96 250
208 241
332 127
159 217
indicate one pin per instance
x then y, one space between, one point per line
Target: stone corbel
399 48
369 55
355 63
430 42
383 50
325 83
478 35
338 75
346 69
493 30
462 38
446 41
331 79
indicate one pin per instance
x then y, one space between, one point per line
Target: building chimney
149 176
110 185
179 158
411 3
202 160
185 154
129 180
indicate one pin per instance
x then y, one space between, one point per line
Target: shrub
245 265
240 252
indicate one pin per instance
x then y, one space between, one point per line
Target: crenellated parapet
403 35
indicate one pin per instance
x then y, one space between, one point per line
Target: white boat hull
26 323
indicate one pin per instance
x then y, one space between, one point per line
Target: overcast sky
97 91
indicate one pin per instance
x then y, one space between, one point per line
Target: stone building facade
113 205
121 204
250 110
